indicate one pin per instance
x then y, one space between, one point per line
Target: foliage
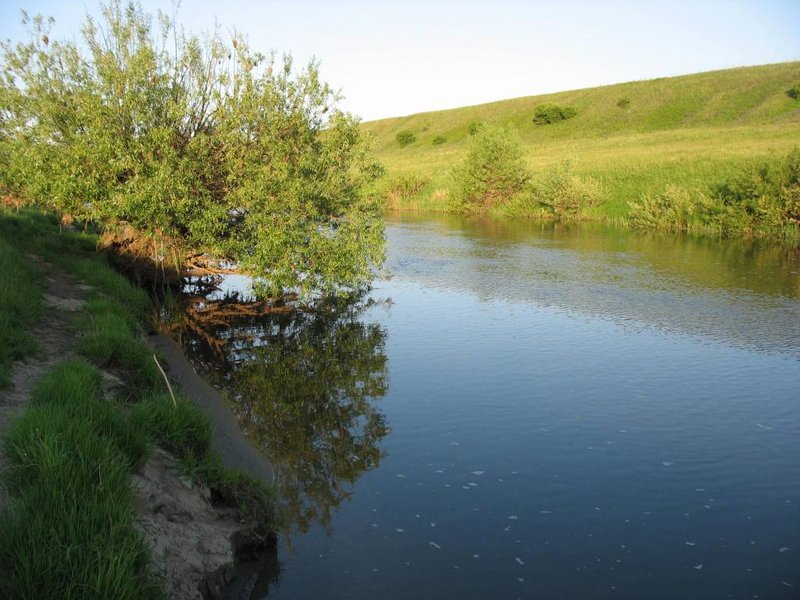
476 127
403 187
200 144
794 91
439 140
670 209
761 200
493 172
405 137
624 102
547 113
563 194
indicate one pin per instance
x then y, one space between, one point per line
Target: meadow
633 139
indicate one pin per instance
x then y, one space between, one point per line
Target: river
519 410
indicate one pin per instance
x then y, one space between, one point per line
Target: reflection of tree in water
303 384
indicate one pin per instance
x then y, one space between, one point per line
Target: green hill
634 138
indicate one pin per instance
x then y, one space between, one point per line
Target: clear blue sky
397 58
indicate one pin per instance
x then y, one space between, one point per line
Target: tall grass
69 530
20 307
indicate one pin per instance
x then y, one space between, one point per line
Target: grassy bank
631 140
20 307
68 531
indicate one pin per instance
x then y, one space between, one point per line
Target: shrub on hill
476 127
564 195
794 91
493 172
439 140
545 114
624 102
405 137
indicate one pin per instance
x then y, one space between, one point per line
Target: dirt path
63 298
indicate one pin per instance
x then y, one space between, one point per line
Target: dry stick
169 387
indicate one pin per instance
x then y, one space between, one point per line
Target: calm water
523 411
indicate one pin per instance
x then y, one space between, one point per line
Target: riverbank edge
39 236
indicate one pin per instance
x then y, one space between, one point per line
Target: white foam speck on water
765 427
521 579
513 472
519 560
433 524
374 524
512 517
478 473
546 512
689 543
597 508
472 484
435 545
787 584
466 487
447 485
476 556
699 489
706 506
699 567
374 570
454 443
666 463
399 530
507 528
440 470
500 480
783 549
417 516
400 475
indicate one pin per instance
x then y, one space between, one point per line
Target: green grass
69 530
111 341
181 428
20 307
185 430
697 131
76 252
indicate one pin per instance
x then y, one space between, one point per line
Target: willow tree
199 149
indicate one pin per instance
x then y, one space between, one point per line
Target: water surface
531 411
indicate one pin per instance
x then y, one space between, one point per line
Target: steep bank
192 526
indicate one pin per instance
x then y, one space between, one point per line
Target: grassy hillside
694 130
